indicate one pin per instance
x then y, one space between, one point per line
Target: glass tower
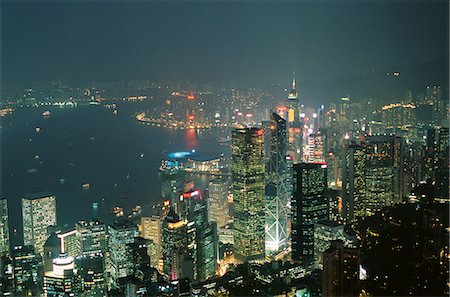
309 206
277 185
248 193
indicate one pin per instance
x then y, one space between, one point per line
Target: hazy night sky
241 41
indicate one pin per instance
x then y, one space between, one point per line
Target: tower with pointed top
294 122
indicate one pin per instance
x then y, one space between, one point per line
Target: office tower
384 171
398 116
175 247
6 276
433 97
278 185
138 256
207 249
52 250
68 238
333 176
248 193
309 206
340 271
91 273
38 212
218 201
327 231
353 182
151 229
319 147
62 280
4 227
91 237
91 263
442 162
295 124
343 110
121 234
27 271
172 180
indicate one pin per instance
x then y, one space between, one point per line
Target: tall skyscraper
172 178
175 247
207 249
27 271
218 201
309 206
340 271
278 185
120 235
38 212
151 229
353 182
295 125
384 171
62 280
248 193
91 237
4 228
92 275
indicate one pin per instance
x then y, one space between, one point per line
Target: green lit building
248 193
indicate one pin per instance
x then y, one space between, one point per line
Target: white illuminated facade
39 212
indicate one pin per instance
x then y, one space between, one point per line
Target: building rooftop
38 195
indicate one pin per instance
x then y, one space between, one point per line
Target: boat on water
86 186
118 211
46 113
38 129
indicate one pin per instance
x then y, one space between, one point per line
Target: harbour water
112 155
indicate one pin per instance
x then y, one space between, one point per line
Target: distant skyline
246 41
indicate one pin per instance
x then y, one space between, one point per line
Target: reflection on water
191 139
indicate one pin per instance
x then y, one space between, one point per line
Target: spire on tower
293 80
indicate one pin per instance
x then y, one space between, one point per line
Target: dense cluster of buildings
283 222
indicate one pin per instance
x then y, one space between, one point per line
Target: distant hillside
379 85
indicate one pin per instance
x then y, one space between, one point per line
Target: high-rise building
151 229
176 257
383 171
172 179
309 206
218 210
121 234
91 273
278 185
38 212
442 162
62 280
353 182
4 228
27 271
327 231
295 124
207 250
138 253
340 271
91 237
248 193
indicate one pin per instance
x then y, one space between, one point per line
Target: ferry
118 211
46 113
85 186
38 129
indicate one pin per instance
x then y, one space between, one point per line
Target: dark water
87 145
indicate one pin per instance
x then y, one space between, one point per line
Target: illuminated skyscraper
151 228
309 206
295 125
175 247
278 185
91 237
62 280
4 227
248 193
27 271
120 235
384 171
172 178
353 182
38 212
218 202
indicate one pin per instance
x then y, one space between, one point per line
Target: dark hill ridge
379 85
